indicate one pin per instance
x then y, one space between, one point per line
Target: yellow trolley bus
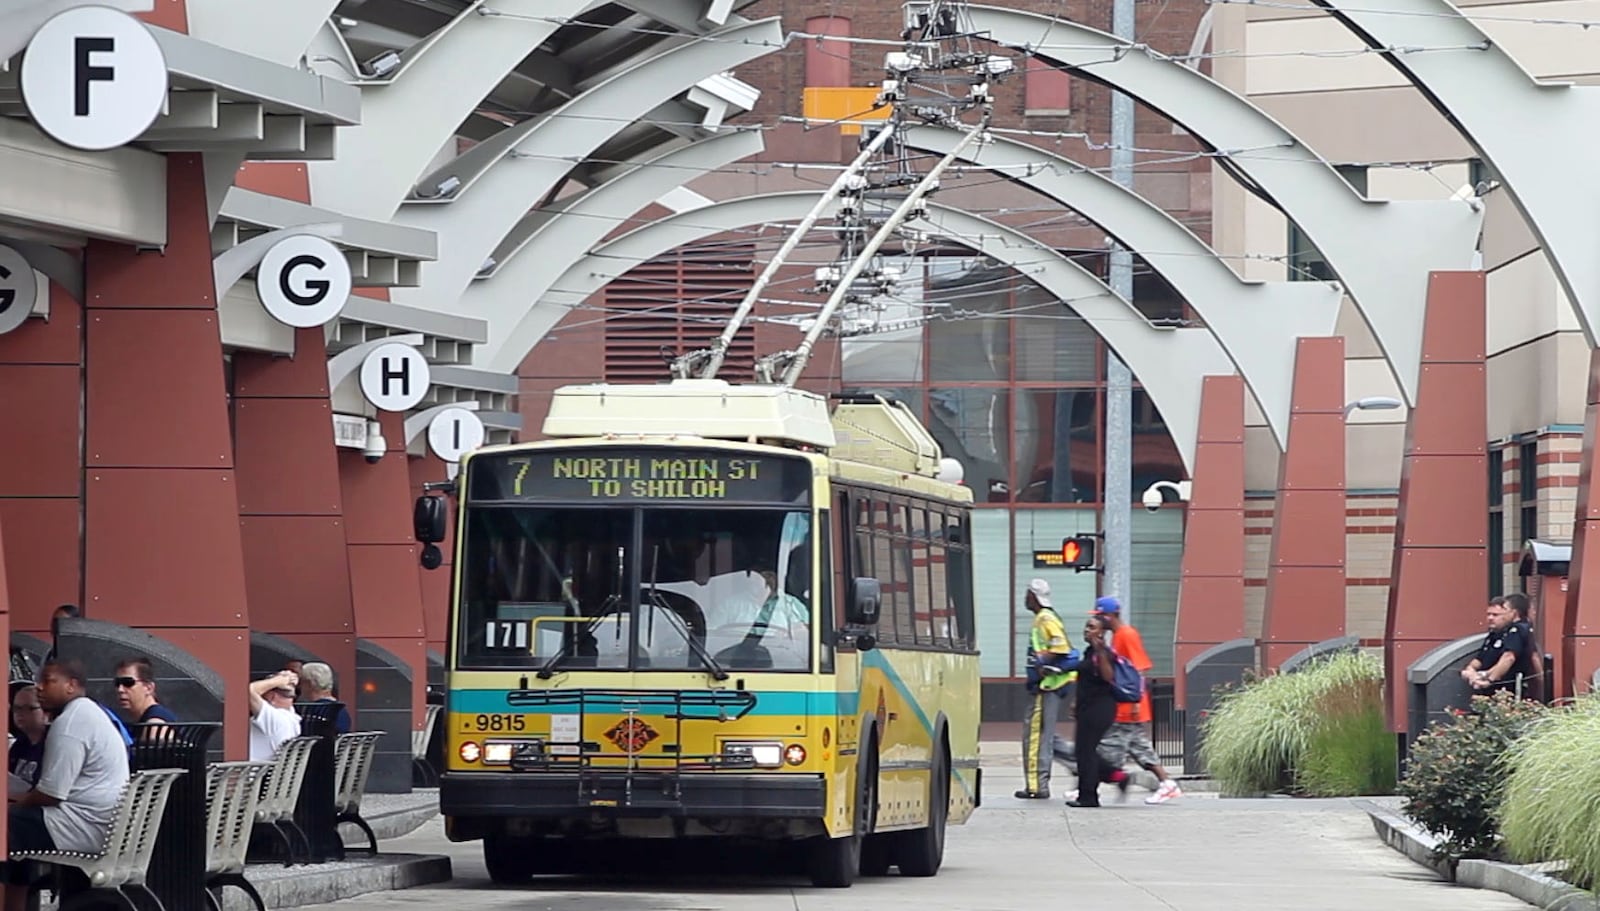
704 610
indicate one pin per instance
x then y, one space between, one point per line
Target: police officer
1052 668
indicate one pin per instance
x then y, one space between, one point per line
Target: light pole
1371 403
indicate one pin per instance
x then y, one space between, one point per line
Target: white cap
1040 590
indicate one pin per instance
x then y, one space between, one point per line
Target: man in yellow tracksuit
1052 669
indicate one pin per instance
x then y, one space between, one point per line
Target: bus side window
827 580
958 564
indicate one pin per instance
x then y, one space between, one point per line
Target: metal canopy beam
1539 137
118 195
1255 322
480 216
573 226
1382 250
1170 362
407 122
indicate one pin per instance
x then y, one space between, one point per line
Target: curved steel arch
1168 362
1255 322
1382 250
1539 136
405 123
572 227
277 31
478 218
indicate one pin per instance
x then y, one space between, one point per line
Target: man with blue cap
1052 668
1129 735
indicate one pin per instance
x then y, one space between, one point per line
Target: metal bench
280 793
420 741
233 789
117 872
352 764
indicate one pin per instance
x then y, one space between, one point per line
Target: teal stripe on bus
486 702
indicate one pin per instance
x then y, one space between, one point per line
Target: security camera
1152 499
376 445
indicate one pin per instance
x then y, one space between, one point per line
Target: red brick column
435 583
1439 583
1211 596
162 547
1580 632
291 512
383 553
41 484
1305 573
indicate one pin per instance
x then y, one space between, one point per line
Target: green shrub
1455 776
1257 738
1351 751
1551 807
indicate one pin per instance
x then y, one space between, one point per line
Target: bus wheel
921 851
835 861
508 858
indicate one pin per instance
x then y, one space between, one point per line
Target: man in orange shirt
1129 735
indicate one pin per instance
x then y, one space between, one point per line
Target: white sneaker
1167 791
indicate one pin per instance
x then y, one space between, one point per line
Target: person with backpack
1052 667
1129 736
1097 709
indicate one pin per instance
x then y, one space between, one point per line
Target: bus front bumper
648 794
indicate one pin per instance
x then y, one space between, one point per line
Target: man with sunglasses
136 693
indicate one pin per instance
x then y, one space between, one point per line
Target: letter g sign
303 281
18 290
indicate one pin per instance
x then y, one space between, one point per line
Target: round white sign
303 281
453 433
94 78
395 377
19 291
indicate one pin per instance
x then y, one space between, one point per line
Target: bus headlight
497 752
470 751
765 754
795 754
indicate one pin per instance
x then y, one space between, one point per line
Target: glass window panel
965 345
1157 545
1155 457
973 426
922 575
991 565
1057 453
1053 343
1073 593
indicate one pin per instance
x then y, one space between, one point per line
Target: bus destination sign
617 474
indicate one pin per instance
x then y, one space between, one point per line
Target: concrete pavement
1200 853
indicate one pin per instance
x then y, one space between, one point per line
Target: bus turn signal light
795 754
470 751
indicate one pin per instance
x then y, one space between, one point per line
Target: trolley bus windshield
642 574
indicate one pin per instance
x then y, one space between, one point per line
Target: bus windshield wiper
714 668
547 670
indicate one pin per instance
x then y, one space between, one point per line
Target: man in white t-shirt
81 778
273 719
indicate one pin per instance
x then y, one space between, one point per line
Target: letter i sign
94 78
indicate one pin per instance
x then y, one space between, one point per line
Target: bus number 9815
494 723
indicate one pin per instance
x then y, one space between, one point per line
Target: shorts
25 831
1127 739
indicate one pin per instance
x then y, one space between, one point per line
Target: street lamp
1152 498
1371 403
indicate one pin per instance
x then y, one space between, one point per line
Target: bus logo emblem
631 735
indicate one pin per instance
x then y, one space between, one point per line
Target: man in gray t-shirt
81 777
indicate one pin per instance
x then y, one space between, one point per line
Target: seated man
316 682
81 778
273 720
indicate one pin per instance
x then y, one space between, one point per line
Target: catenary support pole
1119 379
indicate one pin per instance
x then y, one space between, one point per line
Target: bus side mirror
866 598
428 519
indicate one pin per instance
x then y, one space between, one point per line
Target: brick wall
1369 550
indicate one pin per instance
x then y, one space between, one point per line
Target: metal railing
1166 728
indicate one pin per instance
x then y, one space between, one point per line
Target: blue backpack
1127 684
122 729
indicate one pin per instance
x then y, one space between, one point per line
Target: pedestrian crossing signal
1078 552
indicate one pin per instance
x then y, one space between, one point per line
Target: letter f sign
84 72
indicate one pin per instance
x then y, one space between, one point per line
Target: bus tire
921 851
508 858
836 861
